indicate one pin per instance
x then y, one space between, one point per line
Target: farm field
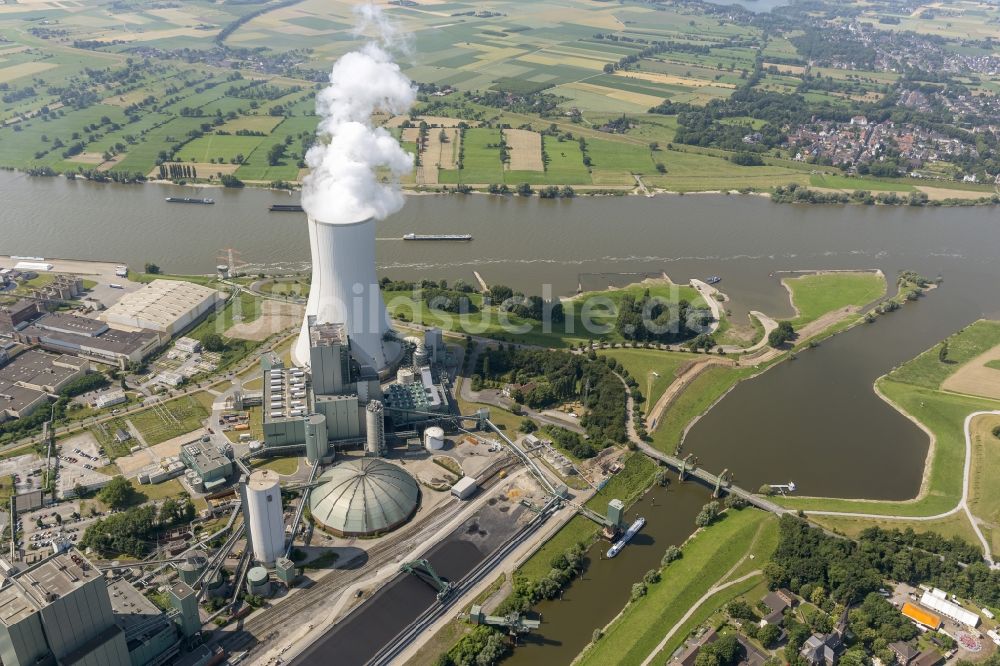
83 91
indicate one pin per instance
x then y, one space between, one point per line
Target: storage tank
434 438
317 445
215 585
192 567
405 376
375 428
267 525
258 582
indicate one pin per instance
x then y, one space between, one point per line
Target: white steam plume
343 185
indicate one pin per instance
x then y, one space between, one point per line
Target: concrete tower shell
267 525
344 290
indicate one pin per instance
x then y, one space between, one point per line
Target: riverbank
915 390
934 197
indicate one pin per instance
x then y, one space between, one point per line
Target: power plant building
265 518
59 611
210 464
364 497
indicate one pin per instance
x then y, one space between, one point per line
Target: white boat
617 546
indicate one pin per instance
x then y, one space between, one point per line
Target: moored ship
617 546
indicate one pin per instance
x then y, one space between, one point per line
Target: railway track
269 623
402 640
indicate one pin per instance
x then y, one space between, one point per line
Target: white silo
434 438
344 290
375 428
267 525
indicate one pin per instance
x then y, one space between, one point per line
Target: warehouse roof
160 303
35 368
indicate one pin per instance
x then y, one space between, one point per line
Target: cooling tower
345 290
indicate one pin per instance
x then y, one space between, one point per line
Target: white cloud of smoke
347 164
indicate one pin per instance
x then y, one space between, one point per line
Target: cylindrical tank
317 445
404 376
258 582
192 567
375 428
434 438
267 525
214 585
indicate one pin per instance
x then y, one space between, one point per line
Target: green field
219 148
588 316
815 295
853 183
712 552
170 419
64 71
929 371
643 363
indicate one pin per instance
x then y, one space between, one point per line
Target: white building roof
949 610
161 304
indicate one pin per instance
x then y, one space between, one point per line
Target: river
815 420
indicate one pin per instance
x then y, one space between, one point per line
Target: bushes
565 568
781 335
483 646
708 515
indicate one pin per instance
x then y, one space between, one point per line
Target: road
712 591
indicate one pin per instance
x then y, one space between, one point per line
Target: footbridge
721 482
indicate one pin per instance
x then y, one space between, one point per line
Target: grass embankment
695 400
283 466
914 388
627 485
708 556
642 363
815 295
588 316
984 500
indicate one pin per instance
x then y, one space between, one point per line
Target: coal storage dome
364 497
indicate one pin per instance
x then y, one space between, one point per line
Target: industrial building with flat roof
205 458
28 380
164 306
72 334
14 315
59 608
